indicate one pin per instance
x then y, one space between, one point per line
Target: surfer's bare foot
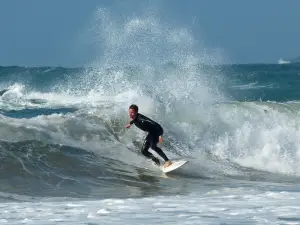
167 163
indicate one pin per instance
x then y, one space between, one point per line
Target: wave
33 168
260 135
88 152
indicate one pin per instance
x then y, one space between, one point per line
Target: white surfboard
175 164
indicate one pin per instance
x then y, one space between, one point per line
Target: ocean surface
67 158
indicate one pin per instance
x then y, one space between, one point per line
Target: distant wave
281 61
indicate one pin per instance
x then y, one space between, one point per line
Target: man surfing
155 132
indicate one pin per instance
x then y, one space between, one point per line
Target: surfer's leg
145 149
160 153
157 149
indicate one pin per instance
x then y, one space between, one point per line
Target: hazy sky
55 32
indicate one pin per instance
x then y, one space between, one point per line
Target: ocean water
67 158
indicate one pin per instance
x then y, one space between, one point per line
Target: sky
58 33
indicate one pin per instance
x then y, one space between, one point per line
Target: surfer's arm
129 124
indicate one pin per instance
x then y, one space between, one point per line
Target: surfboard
175 165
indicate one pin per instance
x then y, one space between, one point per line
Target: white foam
245 206
261 136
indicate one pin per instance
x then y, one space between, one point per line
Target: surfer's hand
128 125
160 139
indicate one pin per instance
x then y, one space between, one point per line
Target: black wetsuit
155 130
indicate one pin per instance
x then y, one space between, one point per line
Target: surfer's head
133 110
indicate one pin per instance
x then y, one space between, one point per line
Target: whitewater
67 158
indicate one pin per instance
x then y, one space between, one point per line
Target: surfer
155 132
